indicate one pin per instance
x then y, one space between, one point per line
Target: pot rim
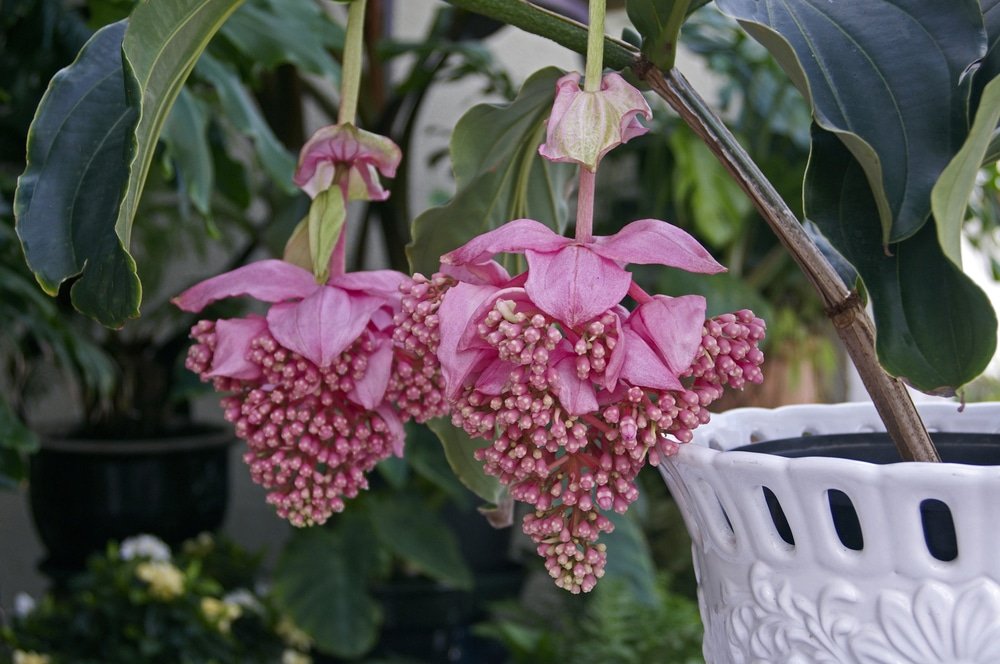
206 436
713 443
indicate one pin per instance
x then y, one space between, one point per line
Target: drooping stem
595 47
350 71
585 205
843 307
637 293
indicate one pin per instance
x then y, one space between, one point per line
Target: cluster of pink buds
575 393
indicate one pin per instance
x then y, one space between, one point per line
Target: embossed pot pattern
779 582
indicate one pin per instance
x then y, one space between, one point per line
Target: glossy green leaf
185 137
297 32
161 46
630 559
950 196
68 196
890 80
321 583
935 328
989 68
705 190
420 536
241 110
659 22
459 450
498 173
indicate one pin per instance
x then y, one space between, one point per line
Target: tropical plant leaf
630 559
889 80
406 527
459 449
68 196
161 46
297 32
241 110
321 582
498 173
950 196
935 328
989 68
659 22
185 137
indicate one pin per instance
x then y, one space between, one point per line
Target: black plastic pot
978 449
86 492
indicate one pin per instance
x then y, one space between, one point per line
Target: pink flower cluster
318 389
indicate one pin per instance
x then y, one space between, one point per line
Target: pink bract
345 146
584 126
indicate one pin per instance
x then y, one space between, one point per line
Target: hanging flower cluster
573 391
318 388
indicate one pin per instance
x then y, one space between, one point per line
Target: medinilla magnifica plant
571 374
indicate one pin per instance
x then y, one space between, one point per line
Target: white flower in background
24 604
144 546
291 634
245 599
165 581
220 613
295 657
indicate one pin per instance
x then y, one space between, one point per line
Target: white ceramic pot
813 595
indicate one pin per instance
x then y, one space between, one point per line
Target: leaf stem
350 77
595 46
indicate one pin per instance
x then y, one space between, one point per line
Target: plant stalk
595 46
844 308
350 75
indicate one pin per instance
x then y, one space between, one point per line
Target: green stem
595 47
350 71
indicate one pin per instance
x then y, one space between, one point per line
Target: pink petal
381 283
577 396
494 376
470 337
348 145
574 284
584 126
454 315
323 325
396 434
484 273
268 281
513 237
644 368
233 337
370 390
616 360
651 241
672 326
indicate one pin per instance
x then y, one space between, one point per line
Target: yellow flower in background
165 581
220 613
292 635
21 657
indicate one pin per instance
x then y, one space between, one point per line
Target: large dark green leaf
185 137
68 197
459 450
990 66
888 77
241 110
630 559
659 22
935 328
298 32
320 581
419 536
498 173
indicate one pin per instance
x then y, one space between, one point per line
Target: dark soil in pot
976 449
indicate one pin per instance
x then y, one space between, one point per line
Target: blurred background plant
139 602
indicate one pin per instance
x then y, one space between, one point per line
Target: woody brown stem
844 307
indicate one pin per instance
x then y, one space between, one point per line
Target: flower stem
585 206
350 72
638 294
595 47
